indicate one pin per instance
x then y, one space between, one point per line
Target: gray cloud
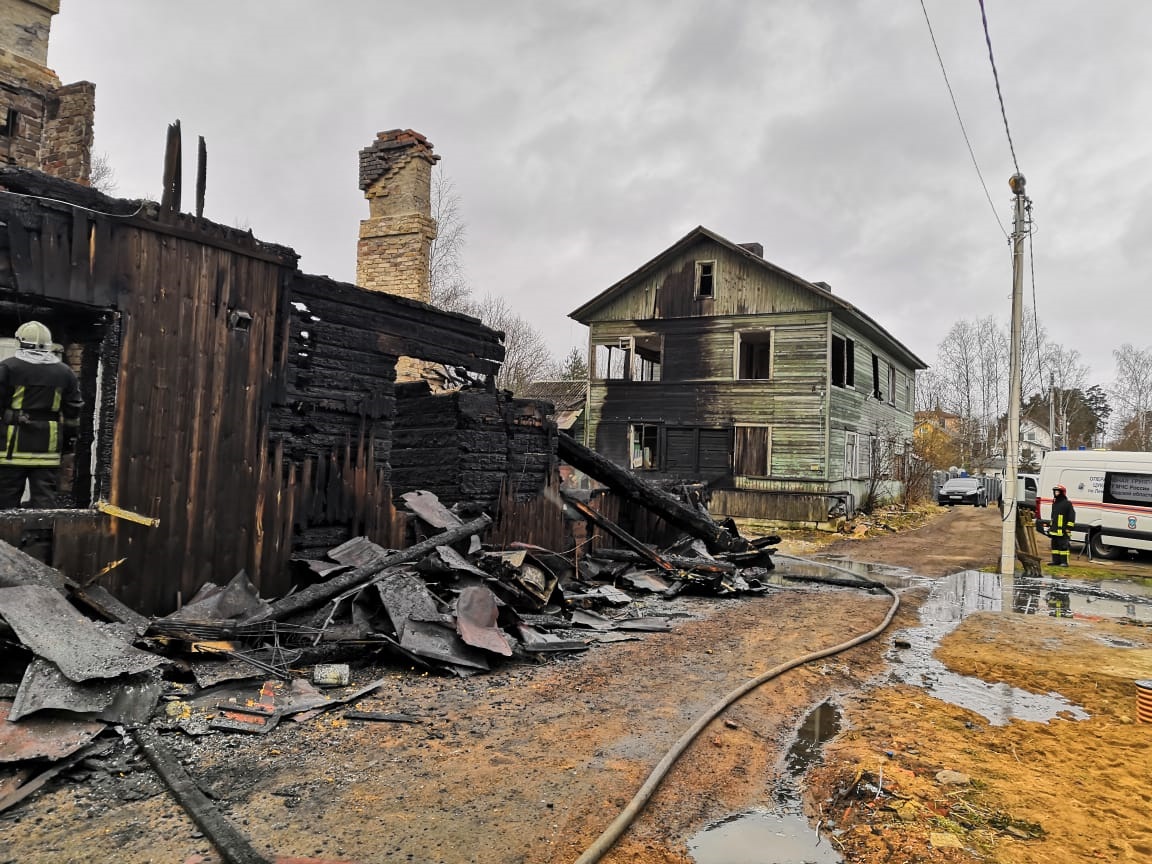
585 137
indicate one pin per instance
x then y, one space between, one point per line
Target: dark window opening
705 278
646 358
11 125
644 446
755 360
876 390
843 362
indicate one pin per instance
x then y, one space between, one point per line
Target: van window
1121 488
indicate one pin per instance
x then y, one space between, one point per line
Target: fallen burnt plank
322 592
233 846
664 505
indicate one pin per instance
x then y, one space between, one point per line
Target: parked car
962 490
1026 490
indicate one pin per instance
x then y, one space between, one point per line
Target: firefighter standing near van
40 398
1060 525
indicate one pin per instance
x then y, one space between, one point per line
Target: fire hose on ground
621 823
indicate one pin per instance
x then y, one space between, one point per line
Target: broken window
628 358
843 362
754 355
646 357
851 453
877 390
753 456
610 360
644 446
705 278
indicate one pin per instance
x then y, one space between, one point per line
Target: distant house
945 421
710 363
1036 437
568 398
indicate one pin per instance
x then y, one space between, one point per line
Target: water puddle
951 600
822 724
782 836
760 837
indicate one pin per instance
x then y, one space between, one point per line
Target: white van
1112 494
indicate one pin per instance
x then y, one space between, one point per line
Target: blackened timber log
664 505
695 565
322 592
233 846
620 534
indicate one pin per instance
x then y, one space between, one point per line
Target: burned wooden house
238 411
710 363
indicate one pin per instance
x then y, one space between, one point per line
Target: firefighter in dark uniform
1060 525
41 401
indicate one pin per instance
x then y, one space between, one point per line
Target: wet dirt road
531 763
526 765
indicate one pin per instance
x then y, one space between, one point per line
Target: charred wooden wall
471 446
245 405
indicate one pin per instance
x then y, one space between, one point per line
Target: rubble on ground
232 662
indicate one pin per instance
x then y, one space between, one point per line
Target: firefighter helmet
1060 489
33 334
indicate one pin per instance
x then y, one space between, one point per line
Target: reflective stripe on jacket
1063 517
41 404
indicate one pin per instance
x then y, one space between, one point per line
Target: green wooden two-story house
711 364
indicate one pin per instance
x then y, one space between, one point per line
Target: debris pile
230 660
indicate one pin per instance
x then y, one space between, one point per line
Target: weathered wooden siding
743 287
855 409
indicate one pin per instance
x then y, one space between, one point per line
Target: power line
996 77
960 120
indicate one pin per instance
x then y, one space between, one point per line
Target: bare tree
449 287
101 175
526 354
1132 396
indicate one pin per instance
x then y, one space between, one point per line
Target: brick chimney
42 124
24 28
396 178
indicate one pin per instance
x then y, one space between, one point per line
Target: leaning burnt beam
664 505
639 549
322 592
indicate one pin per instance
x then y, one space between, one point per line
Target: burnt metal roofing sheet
51 628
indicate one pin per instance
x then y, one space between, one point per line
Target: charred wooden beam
322 592
201 177
694 565
170 197
620 534
664 505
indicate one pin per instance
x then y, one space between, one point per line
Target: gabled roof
565 395
585 312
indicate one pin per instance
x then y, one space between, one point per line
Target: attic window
705 278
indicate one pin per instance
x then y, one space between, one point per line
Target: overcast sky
585 137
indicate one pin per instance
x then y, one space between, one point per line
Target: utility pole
1052 409
1012 452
